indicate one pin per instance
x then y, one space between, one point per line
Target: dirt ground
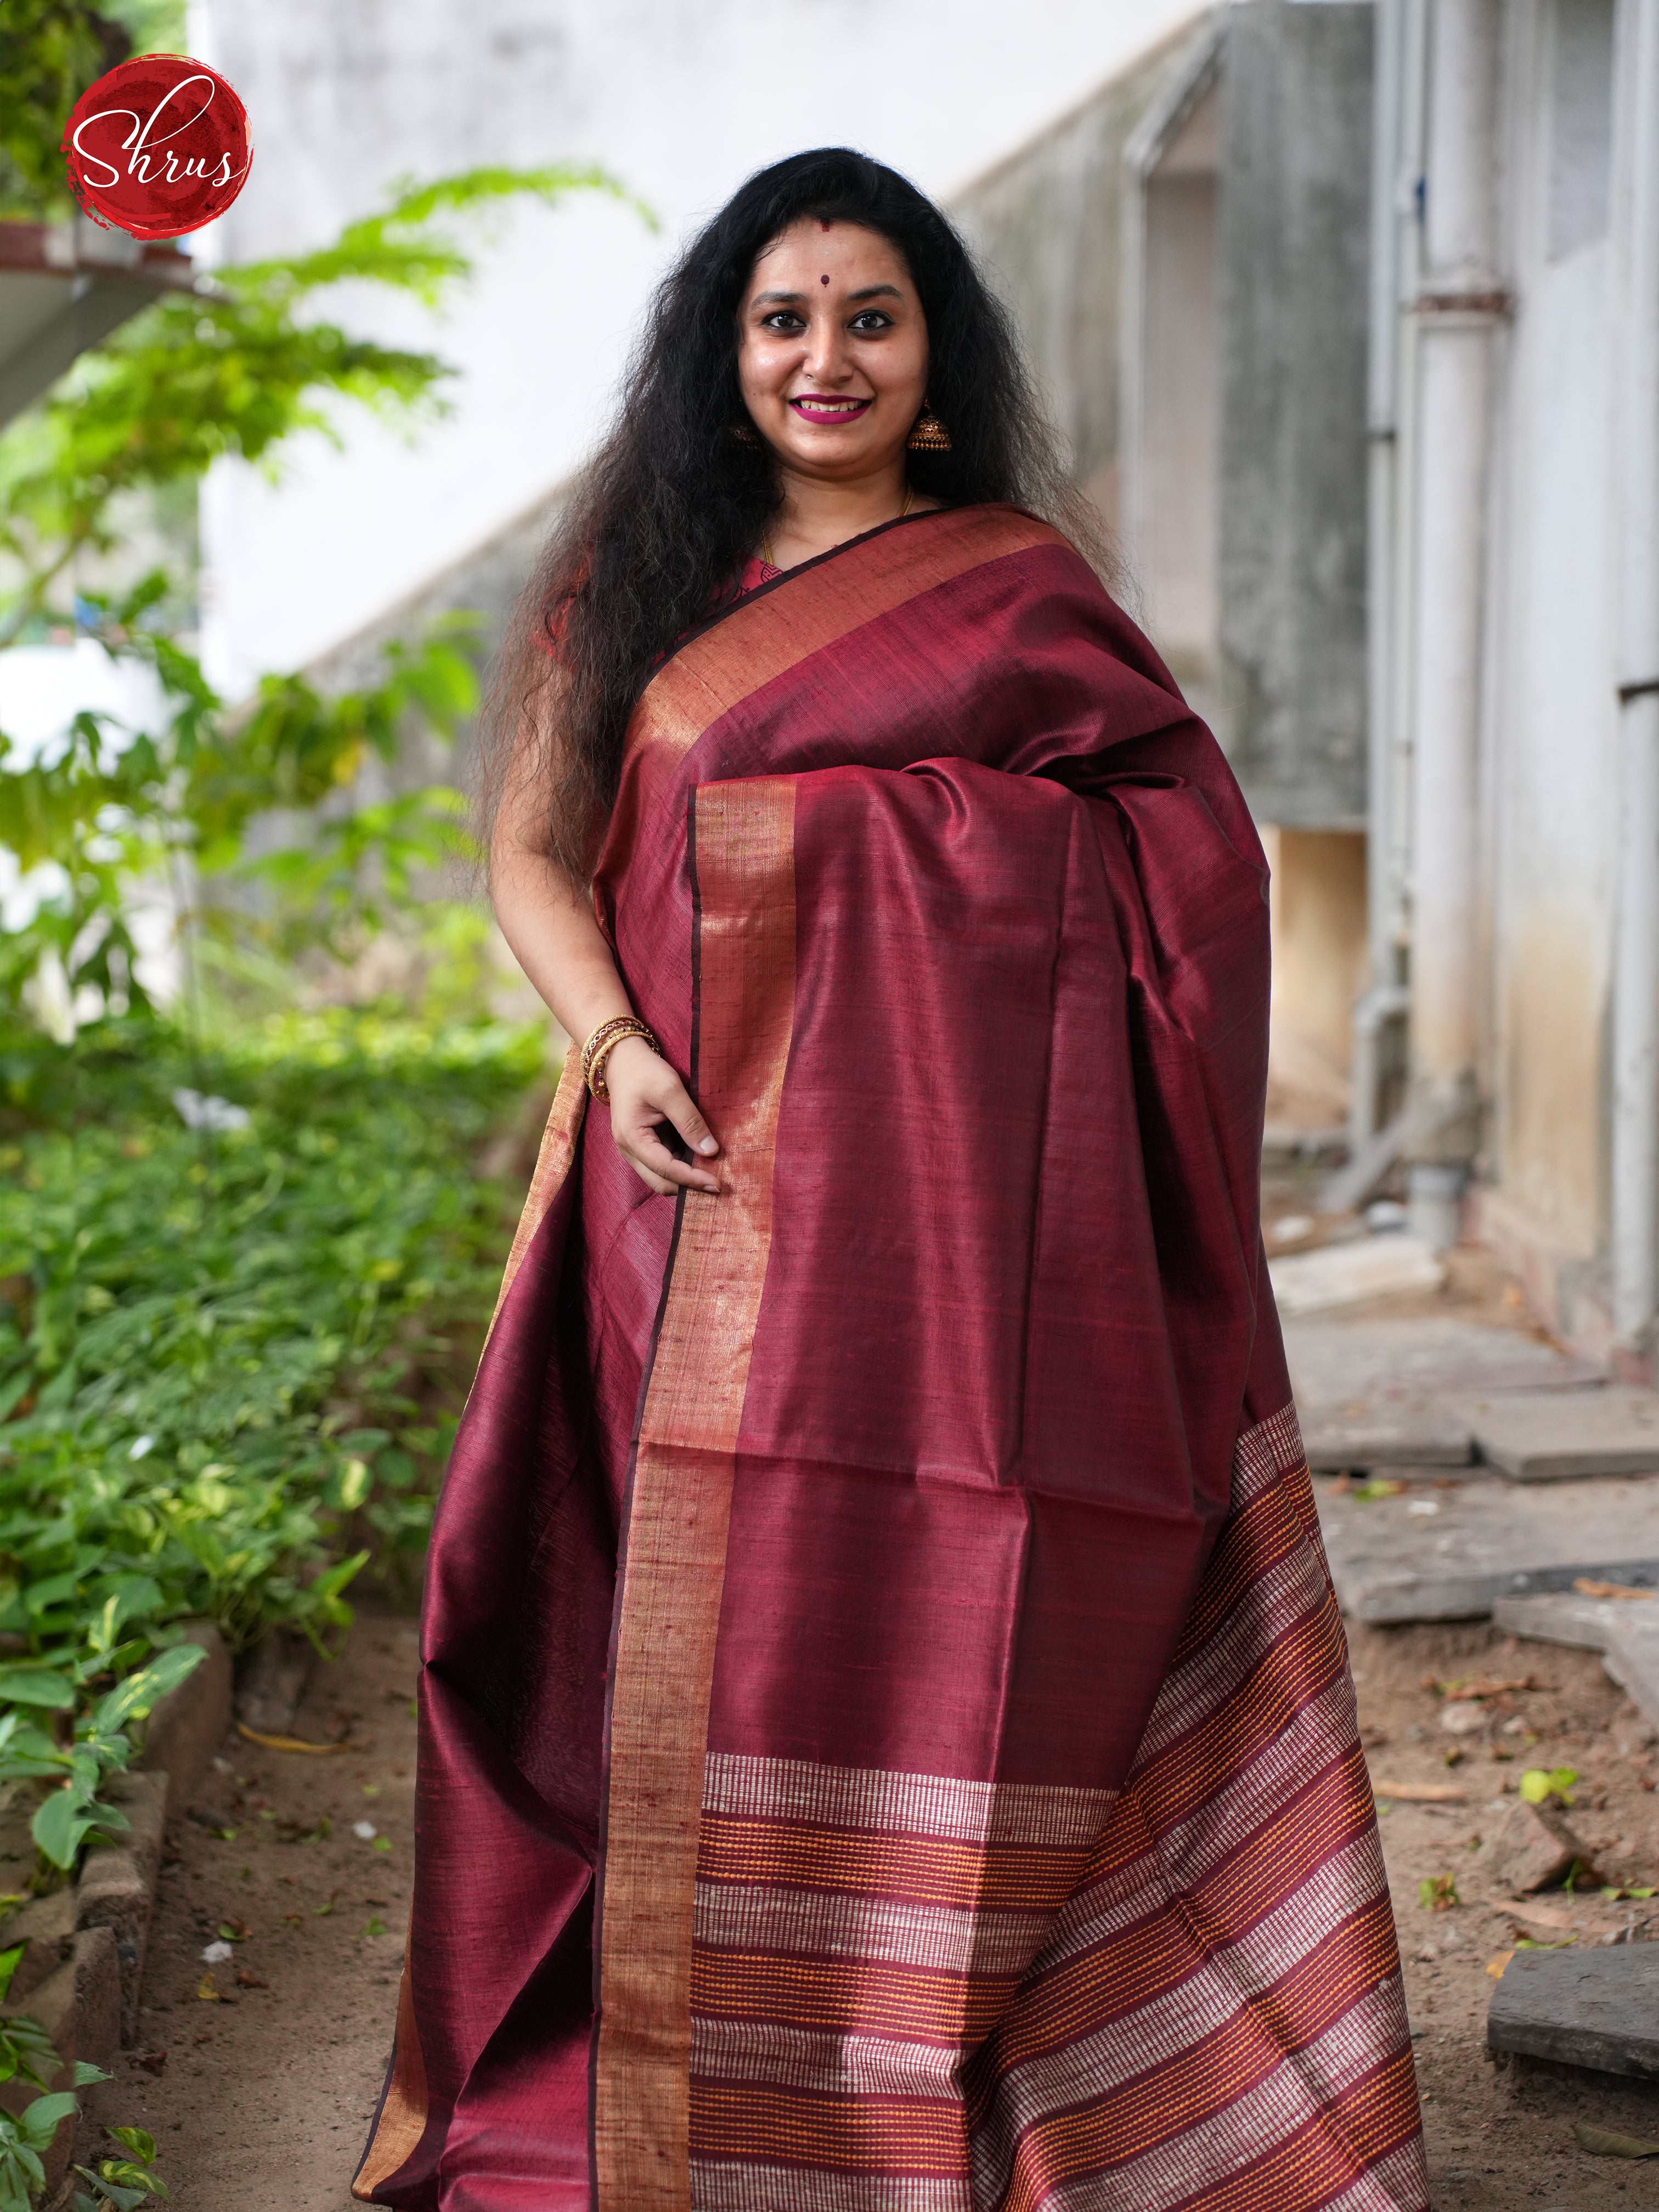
260 2098
1501 2135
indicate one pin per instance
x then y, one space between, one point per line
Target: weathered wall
1293 258
1049 223
1551 766
1320 961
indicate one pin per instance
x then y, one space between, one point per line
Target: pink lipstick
824 407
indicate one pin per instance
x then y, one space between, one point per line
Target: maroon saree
887 1742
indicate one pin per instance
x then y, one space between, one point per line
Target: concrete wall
1320 961
1048 223
680 98
1292 260
1180 413
1551 766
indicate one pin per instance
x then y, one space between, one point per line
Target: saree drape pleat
887 1742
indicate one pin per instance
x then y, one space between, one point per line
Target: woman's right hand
645 1093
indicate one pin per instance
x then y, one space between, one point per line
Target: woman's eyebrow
794 299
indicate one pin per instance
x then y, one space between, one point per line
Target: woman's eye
784 321
872 320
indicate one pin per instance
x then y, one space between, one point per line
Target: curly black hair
673 505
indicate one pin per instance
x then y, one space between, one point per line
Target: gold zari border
682 1493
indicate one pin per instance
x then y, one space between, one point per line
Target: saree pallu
887 1742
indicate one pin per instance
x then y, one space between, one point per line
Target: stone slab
1356 1438
1466 1546
1625 1631
272 1679
1348 1273
1552 1436
1596 2007
186 1728
1534 1847
1422 1357
117 1888
1385 1392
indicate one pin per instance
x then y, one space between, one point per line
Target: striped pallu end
913 1994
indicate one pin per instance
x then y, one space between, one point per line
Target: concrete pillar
1458 307
1635 1229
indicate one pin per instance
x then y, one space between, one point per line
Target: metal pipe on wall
1393 198
1458 306
1635 1166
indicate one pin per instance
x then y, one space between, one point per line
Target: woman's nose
826 353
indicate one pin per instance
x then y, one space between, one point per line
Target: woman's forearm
549 922
546 918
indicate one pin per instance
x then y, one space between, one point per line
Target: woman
886 1733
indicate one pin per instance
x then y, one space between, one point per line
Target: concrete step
1625 1631
1449 1553
1546 1437
1409 1391
1345 1275
1597 2008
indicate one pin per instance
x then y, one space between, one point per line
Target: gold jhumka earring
929 435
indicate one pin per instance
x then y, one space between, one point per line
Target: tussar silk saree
887 1742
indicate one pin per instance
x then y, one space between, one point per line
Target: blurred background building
1350 311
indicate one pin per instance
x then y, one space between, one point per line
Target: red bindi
823 280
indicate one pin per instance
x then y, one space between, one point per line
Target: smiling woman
887 1742
834 375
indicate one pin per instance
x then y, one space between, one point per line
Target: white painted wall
1554 742
680 98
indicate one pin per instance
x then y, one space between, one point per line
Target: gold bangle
603 1042
614 1027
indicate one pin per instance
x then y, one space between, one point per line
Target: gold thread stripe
1355 2127
680 1504
922 1804
995 1878
944 1937
843 2065
762 639
401 2121
553 1159
742 2186
844 1996
878 2134
1291 1587
1200 2083
1108 2048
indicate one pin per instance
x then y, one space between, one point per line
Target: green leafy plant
100 1745
1541 1785
240 366
25 2138
122 2182
26 2049
241 1274
230 1360
27 2052
1438 1893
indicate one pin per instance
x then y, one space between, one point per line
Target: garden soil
260 2098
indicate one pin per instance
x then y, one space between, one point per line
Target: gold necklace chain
766 535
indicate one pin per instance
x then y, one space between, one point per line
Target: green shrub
231 1357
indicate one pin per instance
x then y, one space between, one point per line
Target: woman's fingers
676 1102
645 1095
648 1175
